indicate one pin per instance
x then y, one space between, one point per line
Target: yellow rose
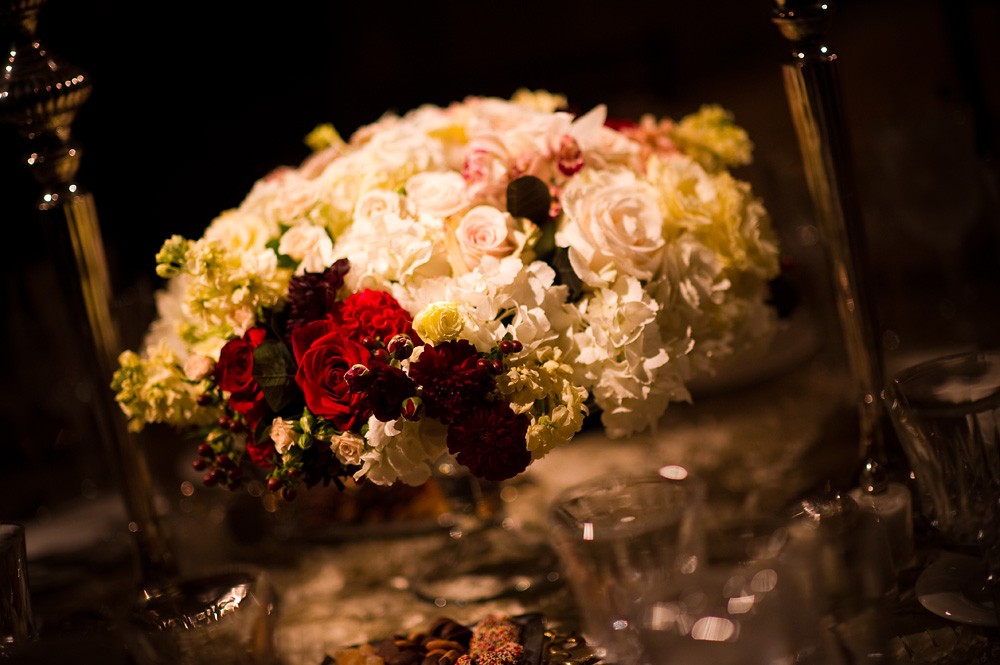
438 322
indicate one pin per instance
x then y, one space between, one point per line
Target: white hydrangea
392 249
623 360
401 450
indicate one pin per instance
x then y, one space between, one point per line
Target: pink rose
485 231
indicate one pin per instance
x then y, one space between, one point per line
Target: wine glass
947 413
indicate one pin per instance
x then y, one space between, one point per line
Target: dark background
193 102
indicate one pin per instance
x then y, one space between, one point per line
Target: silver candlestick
219 618
812 87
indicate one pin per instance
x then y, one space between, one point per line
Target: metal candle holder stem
40 95
219 619
812 88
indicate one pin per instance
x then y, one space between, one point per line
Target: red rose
490 441
321 377
234 374
261 453
375 314
304 336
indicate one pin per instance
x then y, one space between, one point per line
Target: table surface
761 443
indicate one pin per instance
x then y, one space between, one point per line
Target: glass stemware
947 413
487 555
620 538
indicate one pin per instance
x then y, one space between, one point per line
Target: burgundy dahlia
388 389
490 441
452 380
313 295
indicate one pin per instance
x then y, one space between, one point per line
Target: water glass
947 413
618 538
746 603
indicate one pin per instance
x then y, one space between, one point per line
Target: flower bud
358 377
400 347
413 408
506 346
380 354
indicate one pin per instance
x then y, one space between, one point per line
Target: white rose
240 231
310 245
283 435
376 204
437 193
485 231
348 448
284 196
612 226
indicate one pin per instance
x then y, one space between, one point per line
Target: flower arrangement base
363 509
486 556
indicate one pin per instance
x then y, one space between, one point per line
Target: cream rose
348 448
308 244
485 231
284 196
283 435
439 322
612 226
439 193
241 231
375 204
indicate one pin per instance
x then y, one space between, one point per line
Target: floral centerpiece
475 278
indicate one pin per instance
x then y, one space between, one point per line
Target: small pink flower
570 158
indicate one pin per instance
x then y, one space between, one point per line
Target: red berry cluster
221 468
495 363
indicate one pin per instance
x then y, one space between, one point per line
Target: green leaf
529 197
546 244
274 371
